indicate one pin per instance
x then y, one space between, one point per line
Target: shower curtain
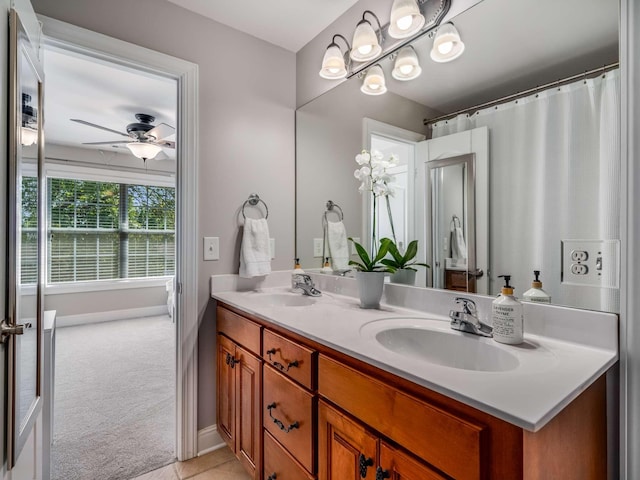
554 175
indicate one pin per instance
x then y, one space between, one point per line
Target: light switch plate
594 263
211 248
317 247
272 246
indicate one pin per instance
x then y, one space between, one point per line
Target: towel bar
253 200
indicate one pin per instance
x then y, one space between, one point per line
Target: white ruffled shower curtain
554 174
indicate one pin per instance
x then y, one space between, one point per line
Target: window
29 232
106 230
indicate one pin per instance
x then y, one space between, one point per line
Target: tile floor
218 465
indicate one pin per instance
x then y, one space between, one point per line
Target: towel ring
253 200
453 224
331 207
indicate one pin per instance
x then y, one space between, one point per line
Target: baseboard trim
209 440
97 317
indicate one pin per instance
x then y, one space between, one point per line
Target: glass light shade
144 150
374 82
28 136
406 66
365 43
333 66
447 45
406 19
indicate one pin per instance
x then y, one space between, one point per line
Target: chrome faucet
303 282
467 319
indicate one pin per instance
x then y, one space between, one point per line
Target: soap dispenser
327 267
536 293
297 269
507 316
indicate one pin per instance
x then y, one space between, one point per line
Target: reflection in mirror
552 155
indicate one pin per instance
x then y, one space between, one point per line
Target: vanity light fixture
374 81
406 19
366 41
447 45
406 65
144 150
334 66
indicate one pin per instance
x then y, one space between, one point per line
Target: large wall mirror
545 182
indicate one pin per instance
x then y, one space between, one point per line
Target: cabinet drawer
288 414
279 464
241 330
432 434
292 359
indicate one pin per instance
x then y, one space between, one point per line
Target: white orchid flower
363 188
363 158
393 159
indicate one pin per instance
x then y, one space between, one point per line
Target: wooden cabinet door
226 405
397 465
346 449
248 393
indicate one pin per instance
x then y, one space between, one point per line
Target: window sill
105 285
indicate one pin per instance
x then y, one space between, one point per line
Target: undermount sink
284 300
442 347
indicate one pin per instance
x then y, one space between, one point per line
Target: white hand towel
338 247
458 245
255 252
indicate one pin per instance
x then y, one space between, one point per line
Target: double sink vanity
316 387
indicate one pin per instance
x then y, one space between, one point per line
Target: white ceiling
103 93
290 24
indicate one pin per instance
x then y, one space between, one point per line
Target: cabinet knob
231 361
382 474
365 463
273 476
279 423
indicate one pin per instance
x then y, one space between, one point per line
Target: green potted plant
401 265
370 273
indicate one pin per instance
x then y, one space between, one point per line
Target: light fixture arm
333 41
379 31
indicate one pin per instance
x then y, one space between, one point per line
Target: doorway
75 40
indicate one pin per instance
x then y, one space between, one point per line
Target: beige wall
246 108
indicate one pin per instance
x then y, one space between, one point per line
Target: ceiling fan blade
166 144
160 131
107 143
84 122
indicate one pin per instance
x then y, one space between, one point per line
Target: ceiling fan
145 140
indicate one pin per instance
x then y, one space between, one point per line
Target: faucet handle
468 305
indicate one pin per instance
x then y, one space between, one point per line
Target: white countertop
552 370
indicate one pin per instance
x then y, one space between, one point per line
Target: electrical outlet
211 248
272 246
317 247
594 263
353 247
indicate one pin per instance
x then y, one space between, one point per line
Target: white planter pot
404 276
370 285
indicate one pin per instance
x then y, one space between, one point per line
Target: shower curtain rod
524 93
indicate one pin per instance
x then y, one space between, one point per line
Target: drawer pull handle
364 464
279 423
278 365
231 361
273 476
382 474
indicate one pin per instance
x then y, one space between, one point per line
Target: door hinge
179 288
6 330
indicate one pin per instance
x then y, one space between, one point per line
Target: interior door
22 331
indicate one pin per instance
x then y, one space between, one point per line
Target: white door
474 141
23 325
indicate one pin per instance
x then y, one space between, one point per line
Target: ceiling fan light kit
145 140
409 20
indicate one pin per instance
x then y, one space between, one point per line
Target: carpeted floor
114 407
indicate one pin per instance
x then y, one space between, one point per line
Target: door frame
101 47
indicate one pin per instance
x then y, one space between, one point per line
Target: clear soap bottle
507 316
536 293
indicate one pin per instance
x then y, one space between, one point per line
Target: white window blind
97 230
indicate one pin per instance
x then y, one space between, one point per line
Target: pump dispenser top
507 289
326 268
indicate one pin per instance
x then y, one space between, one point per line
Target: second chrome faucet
467 320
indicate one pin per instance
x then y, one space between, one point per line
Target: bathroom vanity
318 388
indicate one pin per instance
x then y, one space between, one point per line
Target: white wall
246 107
